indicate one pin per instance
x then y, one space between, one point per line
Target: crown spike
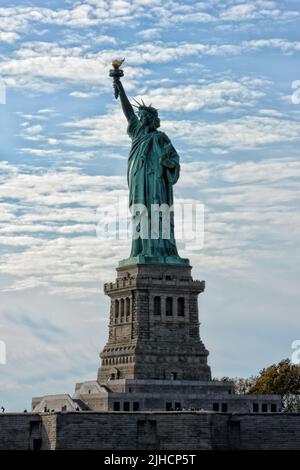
137 102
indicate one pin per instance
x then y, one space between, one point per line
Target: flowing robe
151 182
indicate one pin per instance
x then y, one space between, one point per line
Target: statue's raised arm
116 73
126 105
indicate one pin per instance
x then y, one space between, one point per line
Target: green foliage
280 379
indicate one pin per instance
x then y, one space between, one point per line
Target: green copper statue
153 169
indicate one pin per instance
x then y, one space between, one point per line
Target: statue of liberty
153 169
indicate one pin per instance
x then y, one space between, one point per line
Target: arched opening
127 306
169 306
180 306
122 307
116 310
157 305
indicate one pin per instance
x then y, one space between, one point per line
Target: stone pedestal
154 326
154 359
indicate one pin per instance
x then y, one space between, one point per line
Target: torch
116 73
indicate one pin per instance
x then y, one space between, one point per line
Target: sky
225 77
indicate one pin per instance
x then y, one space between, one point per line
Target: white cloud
275 43
270 112
9 37
244 11
246 132
40 225
252 10
109 129
46 111
263 171
46 66
84 15
90 14
193 17
32 132
82 94
229 93
150 33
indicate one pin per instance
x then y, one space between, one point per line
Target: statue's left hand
165 161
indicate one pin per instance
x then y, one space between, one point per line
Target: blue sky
221 74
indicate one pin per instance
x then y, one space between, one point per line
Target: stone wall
128 431
20 431
150 431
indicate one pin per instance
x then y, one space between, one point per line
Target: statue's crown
143 107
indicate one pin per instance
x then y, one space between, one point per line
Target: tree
280 379
241 386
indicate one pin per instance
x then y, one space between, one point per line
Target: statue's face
144 118
147 120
